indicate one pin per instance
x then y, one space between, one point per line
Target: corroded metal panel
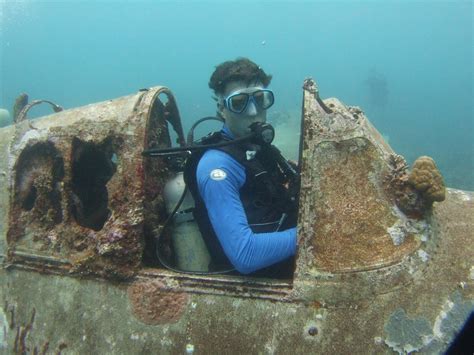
347 214
363 229
353 214
89 316
79 185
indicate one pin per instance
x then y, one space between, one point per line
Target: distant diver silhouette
376 83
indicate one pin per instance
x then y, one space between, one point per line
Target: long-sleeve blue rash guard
219 179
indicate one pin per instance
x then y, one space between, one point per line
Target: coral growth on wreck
426 178
151 304
414 192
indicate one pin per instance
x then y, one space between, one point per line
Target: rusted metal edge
146 101
257 294
20 256
236 286
43 269
230 279
312 88
376 267
22 263
17 259
138 102
22 115
247 295
191 288
194 284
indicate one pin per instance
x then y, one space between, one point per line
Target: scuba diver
243 206
243 200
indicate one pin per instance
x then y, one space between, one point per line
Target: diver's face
239 123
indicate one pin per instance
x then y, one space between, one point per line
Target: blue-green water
409 65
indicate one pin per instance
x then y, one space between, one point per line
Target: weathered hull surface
51 312
410 295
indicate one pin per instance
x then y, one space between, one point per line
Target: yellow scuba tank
189 247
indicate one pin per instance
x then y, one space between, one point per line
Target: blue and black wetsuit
242 207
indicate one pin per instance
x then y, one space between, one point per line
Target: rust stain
152 304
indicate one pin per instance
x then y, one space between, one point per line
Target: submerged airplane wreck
383 266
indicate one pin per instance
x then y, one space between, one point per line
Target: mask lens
263 98
237 103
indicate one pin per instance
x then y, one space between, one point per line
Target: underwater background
407 64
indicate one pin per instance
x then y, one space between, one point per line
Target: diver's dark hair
235 70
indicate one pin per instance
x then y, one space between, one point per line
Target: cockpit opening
92 167
39 170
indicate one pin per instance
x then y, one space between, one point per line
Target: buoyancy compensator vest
267 202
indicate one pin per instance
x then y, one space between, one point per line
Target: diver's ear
220 109
219 115
220 106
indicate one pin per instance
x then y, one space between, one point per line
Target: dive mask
238 102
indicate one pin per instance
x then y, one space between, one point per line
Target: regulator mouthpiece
264 132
